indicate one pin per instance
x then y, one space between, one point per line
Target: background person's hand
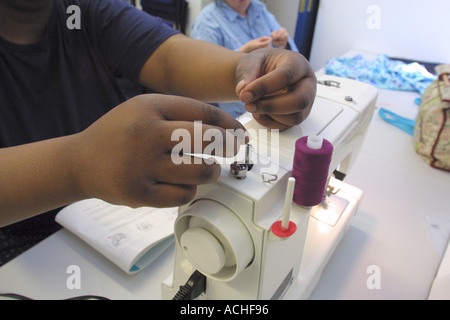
125 156
277 86
280 38
258 43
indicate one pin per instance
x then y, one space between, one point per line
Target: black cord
88 297
21 297
14 296
194 287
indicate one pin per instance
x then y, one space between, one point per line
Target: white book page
126 236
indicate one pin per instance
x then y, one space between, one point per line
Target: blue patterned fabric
382 72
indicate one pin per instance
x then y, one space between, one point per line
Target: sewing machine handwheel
203 250
214 239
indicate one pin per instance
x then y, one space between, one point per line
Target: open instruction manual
130 238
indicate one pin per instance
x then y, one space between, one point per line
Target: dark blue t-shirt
63 83
70 78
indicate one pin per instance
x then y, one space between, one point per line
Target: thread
312 160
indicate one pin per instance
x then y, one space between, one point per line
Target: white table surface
403 223
402 228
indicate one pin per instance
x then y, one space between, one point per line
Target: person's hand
258 43
277 86
126 156
280 38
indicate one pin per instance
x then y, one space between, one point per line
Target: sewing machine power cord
193 288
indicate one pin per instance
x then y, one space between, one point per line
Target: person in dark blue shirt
74 123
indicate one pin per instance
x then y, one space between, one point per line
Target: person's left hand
277 86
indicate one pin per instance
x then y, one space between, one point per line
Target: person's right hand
258 43
126 156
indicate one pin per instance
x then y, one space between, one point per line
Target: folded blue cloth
405 124
382 72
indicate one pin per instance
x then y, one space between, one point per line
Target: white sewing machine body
225 232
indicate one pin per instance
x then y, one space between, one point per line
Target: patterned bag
432 127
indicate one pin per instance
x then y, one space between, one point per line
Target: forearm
123 158
192 68
35 178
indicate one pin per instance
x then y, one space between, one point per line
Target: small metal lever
330 83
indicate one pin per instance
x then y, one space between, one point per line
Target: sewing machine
228 231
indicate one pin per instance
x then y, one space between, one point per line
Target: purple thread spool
310 169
